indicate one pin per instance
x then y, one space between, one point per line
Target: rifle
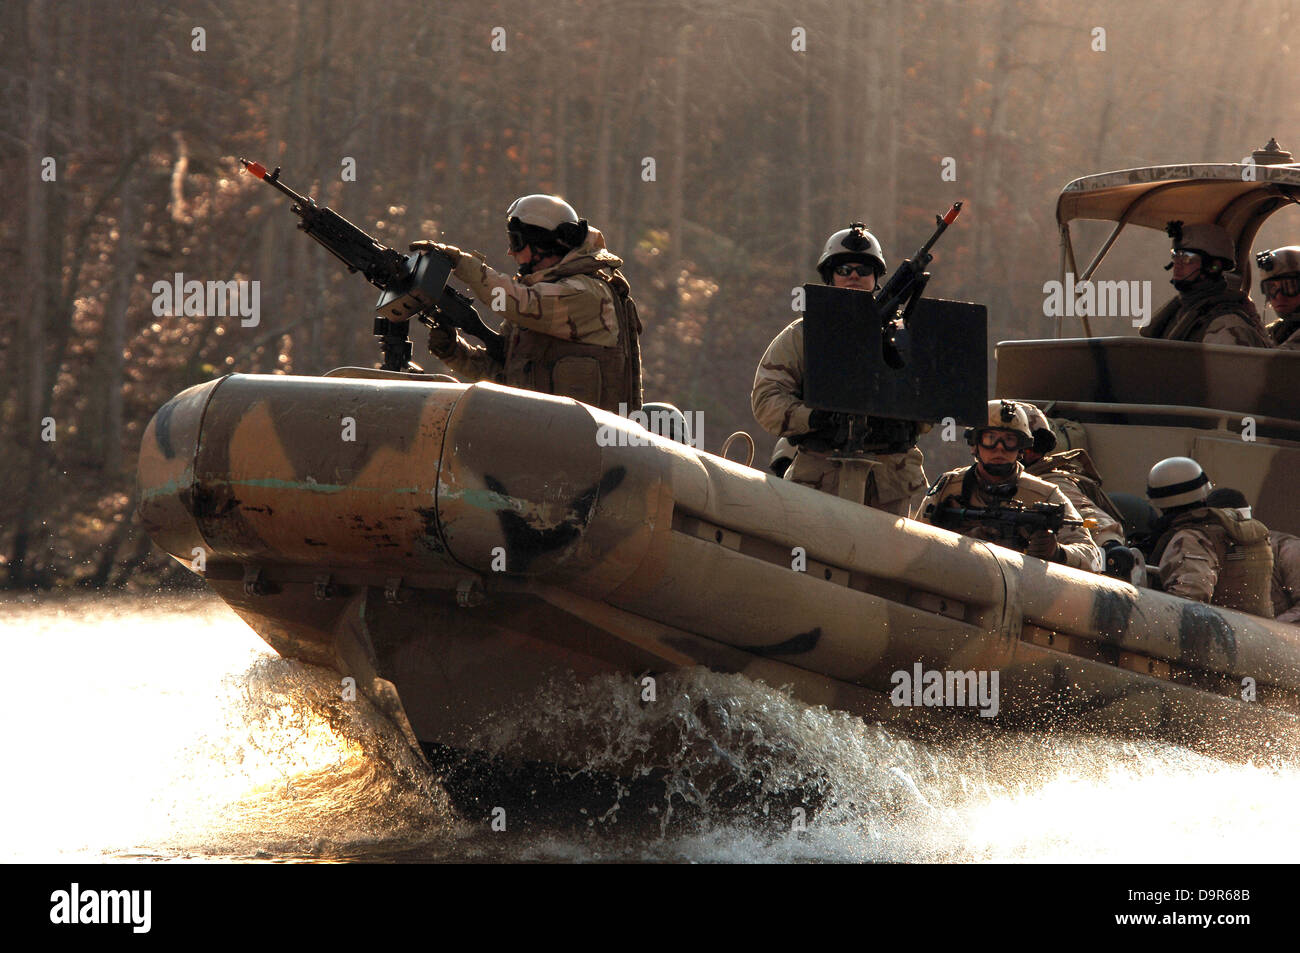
1010 516
413 286
905 288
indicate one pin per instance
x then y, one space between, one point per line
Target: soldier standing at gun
995 500
852 259
571 325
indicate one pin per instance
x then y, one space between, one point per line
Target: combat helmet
1176 482
1211 242
1005 415
1280 266
546 222
854 243
1044 438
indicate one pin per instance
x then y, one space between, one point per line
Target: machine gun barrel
908 280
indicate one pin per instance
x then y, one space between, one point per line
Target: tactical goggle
1272 287
515 234
1006 439
854 268
1185 256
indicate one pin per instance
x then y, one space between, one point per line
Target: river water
163 729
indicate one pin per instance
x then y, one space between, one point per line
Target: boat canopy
1239 196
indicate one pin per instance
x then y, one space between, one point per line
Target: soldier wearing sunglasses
852 258
997 478
1280 286
570 328
1205 309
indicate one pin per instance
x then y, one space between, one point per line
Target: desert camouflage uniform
1212 315
1067 470
1285 333
1199 559
565 333
1077 548
1286 576
777 399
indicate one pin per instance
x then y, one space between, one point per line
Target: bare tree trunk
677 178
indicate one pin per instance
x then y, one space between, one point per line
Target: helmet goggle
1006 439
1288 285
515 234
1186 256
847 268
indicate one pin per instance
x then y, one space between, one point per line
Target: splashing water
166 729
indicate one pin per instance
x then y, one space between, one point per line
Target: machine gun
412 286
1010 516
897 299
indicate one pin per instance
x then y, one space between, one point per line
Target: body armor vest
1178 321
1245 558
603 377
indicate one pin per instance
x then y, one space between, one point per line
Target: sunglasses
1187 257
854 268
990 439
1273 287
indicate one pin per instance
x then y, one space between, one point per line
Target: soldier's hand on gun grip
1043 545
450 252
442 340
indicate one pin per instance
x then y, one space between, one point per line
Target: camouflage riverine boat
472 541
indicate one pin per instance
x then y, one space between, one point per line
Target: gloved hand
442 340
450 252
1043 545
821 420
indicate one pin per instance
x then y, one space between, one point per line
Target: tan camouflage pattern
1078 550
379 558
777 402
1285 333
1233 322
1194 563
565 302
1107 528
1286 576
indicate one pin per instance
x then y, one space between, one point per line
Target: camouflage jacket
1215 556
1212 315
777 401
963 488
1073 472
570 329
1285 333
1286 576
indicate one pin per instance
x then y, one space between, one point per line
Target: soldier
852 258
1209 554
997 477
1075 475
1285 585
1280 286
1204 309
571 326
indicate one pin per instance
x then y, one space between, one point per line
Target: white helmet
1177 481
544 220
854 243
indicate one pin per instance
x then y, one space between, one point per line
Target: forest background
769 125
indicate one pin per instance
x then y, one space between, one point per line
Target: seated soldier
1074 473
1205 309
997 480
1280 285
1208 554
1286 558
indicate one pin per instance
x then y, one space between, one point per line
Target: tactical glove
450 252
1043 545
442 340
